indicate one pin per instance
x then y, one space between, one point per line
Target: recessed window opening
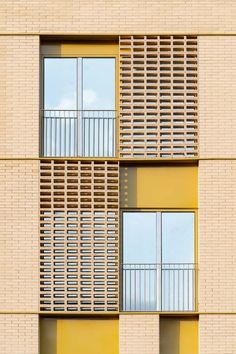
158 261
79 102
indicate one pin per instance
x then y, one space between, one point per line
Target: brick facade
217 334
19 265
124 16
22 23
139 334
19 334
217 243
217 104
19 96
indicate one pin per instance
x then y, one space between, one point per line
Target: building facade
117 178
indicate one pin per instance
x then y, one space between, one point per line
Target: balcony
169 287
78 133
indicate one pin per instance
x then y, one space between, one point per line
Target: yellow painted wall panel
87 336
188 336
159 187
178 335
90 48
81 49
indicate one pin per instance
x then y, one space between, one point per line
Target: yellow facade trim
110 314
124 160
61 35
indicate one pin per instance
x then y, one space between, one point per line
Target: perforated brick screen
79 219
158 96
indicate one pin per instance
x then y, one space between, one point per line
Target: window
79 107
158 261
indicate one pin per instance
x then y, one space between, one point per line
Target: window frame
168 210
76 50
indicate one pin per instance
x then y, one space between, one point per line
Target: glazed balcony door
79 116
159 271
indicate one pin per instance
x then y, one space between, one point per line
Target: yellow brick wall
19 334
19 96
123 16
217 334
139 334
217 103
19 236
217 241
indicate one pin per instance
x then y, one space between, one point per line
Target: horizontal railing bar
138 264
77 110
160 268
83 118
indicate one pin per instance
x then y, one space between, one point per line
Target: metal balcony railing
73 133
159 287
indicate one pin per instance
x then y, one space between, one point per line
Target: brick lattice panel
158 96
79 218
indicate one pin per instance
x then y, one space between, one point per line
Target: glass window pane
141 244
98 104
60 83
178 237
178 276
60 97
99 84
141 273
